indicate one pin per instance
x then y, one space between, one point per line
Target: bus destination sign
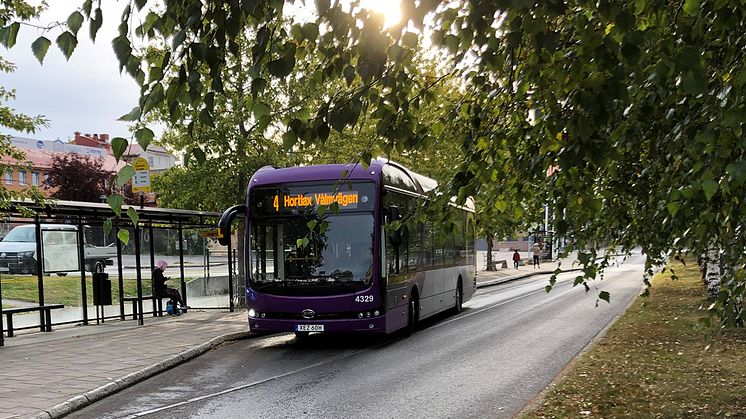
347 200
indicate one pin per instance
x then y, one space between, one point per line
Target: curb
498 281
87 398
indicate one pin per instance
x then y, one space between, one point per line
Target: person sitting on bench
161 290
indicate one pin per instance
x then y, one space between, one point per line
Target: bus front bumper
372 324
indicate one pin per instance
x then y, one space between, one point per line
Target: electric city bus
361 263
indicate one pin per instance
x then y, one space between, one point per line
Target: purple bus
362 263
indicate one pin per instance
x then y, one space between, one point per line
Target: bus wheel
301 335
414 313
459 298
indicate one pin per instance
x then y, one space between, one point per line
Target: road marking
243 386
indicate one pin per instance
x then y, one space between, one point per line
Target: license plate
309 328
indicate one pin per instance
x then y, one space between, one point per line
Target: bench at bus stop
502 263
134 300
46 309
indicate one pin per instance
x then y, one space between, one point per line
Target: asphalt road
508 344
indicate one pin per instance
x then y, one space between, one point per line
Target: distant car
18 250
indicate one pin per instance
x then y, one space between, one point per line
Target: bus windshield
339 257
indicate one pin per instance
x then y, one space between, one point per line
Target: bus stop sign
141 180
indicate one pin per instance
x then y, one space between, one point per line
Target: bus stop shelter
72 221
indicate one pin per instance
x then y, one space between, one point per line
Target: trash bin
101 289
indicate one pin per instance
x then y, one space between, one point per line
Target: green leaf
409 40
124 236
321 210
604 295
115 202
310 31
261 109
349 73
288 139
322 6
107 226
74 22
122 50
281 67
179 39
67 43
9 34
96 22
132 213
673 207
257 86
691 7
133 115
302 242
125 174
311 224
118 146
693 83
144 136
199 155
40 47
709 187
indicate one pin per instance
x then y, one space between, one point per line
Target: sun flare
390 9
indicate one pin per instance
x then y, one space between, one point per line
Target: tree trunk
712 273
490 265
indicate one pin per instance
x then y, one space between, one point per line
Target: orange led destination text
300 200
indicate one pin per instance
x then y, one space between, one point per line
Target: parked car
60 250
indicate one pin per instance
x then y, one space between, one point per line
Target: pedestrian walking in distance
536 251
516 259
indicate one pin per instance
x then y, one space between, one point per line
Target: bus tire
413 314
459 297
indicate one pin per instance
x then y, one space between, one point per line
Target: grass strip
64 290
658 360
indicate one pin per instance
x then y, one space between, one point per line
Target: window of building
150 161
35 178
22 177
9 177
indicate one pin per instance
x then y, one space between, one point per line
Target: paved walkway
41 370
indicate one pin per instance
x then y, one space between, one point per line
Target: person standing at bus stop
536 251
516 259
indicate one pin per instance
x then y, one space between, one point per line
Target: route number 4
364 299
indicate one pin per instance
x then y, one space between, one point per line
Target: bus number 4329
364 299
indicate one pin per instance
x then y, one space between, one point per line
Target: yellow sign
211 233
141 180
349 199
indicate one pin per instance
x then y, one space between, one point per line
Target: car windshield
340 251
21 234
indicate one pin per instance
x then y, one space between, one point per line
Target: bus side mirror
224 226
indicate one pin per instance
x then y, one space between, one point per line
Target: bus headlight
376 313
252 313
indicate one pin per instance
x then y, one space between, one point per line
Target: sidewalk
50 373
488 278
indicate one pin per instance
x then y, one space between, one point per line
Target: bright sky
87 93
